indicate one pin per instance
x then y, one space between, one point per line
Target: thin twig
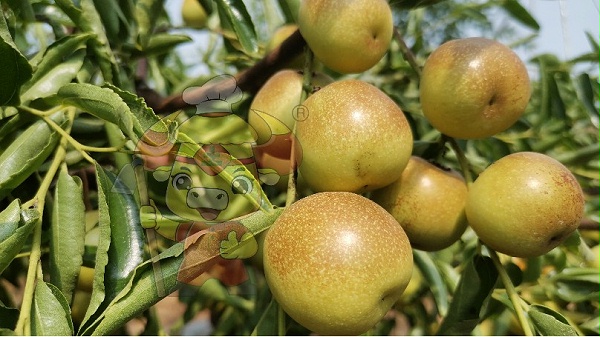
407 53
462 159
512 293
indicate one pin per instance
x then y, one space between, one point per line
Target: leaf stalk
34 273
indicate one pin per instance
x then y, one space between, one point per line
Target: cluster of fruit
338 259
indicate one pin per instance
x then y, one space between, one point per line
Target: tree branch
249 80
589 224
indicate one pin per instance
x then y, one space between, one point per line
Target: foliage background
70 112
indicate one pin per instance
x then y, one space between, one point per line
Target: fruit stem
306 90
409 56
462 159
307 73
512 293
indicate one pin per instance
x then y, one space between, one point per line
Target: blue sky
563 26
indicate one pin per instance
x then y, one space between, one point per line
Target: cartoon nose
201 197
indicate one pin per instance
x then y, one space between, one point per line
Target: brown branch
249 80
589 224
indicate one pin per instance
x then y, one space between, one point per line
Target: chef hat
216 95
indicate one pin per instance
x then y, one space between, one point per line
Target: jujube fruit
336 262
525 204
354 138
473 88
193 14
429 203
347 36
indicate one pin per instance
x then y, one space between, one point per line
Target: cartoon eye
182 181
241 185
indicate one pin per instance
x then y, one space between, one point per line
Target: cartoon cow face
216 189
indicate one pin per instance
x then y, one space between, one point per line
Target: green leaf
11 245
593 42
549 322
236 15
412 4
533 270
207 5
88 20
114 20
60 75
556 103
121 159
142 116
551 103
474 288
50 313
289 8
587 95
215 290
573 241
14 124
14 69
23 9
56 53
58 66
592 325
8 112
514 273
99 288
121 244
27 152
576 284
228 320
9 317
161 44
268 323
7 332
580 156
434 278
67 234
9 219
126 250
146 15
585 58
111 104
103 103
519 13
151 281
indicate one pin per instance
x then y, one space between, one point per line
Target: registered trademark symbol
300 113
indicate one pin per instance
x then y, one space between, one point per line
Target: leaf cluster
72 113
